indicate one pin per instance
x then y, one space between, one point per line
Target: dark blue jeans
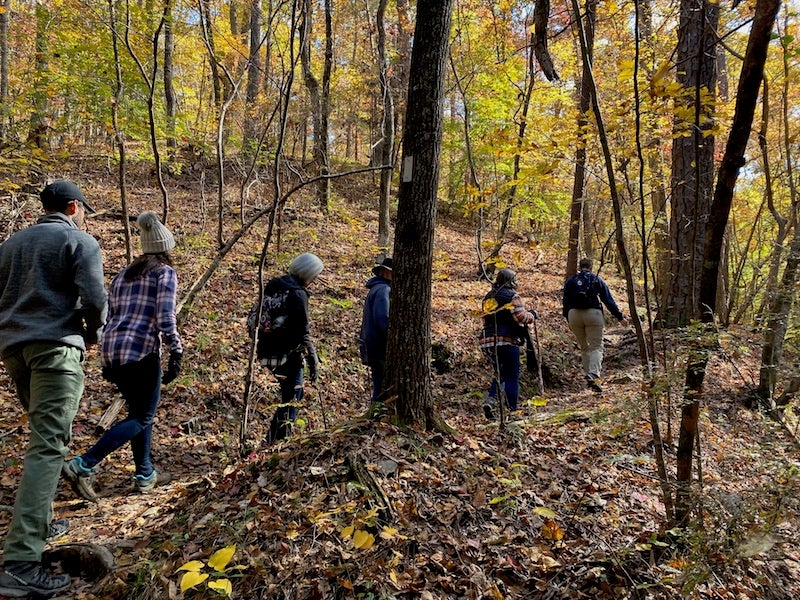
290 378
377 367
140 385
505 366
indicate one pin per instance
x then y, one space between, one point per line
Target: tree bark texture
733 159
579 178
692 158
409 346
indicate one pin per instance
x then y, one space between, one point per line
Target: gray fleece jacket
51 285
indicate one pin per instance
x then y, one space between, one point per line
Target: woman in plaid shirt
141 315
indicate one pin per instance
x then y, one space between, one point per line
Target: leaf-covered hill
564 502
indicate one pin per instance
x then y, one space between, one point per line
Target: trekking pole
538 355
322 408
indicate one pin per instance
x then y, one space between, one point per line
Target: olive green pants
49 381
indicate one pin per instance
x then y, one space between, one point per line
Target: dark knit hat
306 267
154 236
506 278
386 263
56 195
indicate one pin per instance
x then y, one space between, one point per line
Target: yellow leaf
220 559
544 512
192 579
192 565
363 539
538 401
347 532
388 533
223 586
489 306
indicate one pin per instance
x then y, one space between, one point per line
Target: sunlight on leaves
545 512
221 586
192 579
220 559
192 565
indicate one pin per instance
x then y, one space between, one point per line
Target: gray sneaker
57 529
80 478
27 578
145 485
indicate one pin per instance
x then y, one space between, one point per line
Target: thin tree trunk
170 99
37 127
387 131
578 182
253 79
4 5
119 137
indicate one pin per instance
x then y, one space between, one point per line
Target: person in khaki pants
583 294
52 306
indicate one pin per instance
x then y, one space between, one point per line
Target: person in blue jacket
375 324
583 293
504 321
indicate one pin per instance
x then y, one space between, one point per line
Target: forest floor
562 502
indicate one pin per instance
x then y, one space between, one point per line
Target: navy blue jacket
375 321
602 294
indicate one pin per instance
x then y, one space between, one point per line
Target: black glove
313 363
108 374
173 367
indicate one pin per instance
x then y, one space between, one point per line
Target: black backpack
273 314
583 292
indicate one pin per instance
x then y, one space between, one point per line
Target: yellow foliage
220 559
193 566
192 579
222 586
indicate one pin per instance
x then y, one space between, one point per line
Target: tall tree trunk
207 32
318 97
655 166
170 99
4 5
119 137
779 302
579 178
37 125
408 370
387 131
732 160
253 80
692 158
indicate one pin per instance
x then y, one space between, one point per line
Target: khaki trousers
587 324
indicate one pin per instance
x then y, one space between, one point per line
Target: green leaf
545 512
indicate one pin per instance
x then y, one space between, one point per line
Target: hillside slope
563 502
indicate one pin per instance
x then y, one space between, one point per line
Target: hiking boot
145 485
488 412
23 578
81 478
57 529
592 383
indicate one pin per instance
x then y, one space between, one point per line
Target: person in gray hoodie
52 307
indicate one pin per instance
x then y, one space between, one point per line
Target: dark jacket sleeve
604 294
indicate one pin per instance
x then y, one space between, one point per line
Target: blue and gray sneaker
80 478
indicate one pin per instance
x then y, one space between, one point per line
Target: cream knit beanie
155 237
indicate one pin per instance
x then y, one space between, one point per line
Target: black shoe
593 385
25 578
57 529
488 412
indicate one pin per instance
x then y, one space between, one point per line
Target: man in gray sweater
52 306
